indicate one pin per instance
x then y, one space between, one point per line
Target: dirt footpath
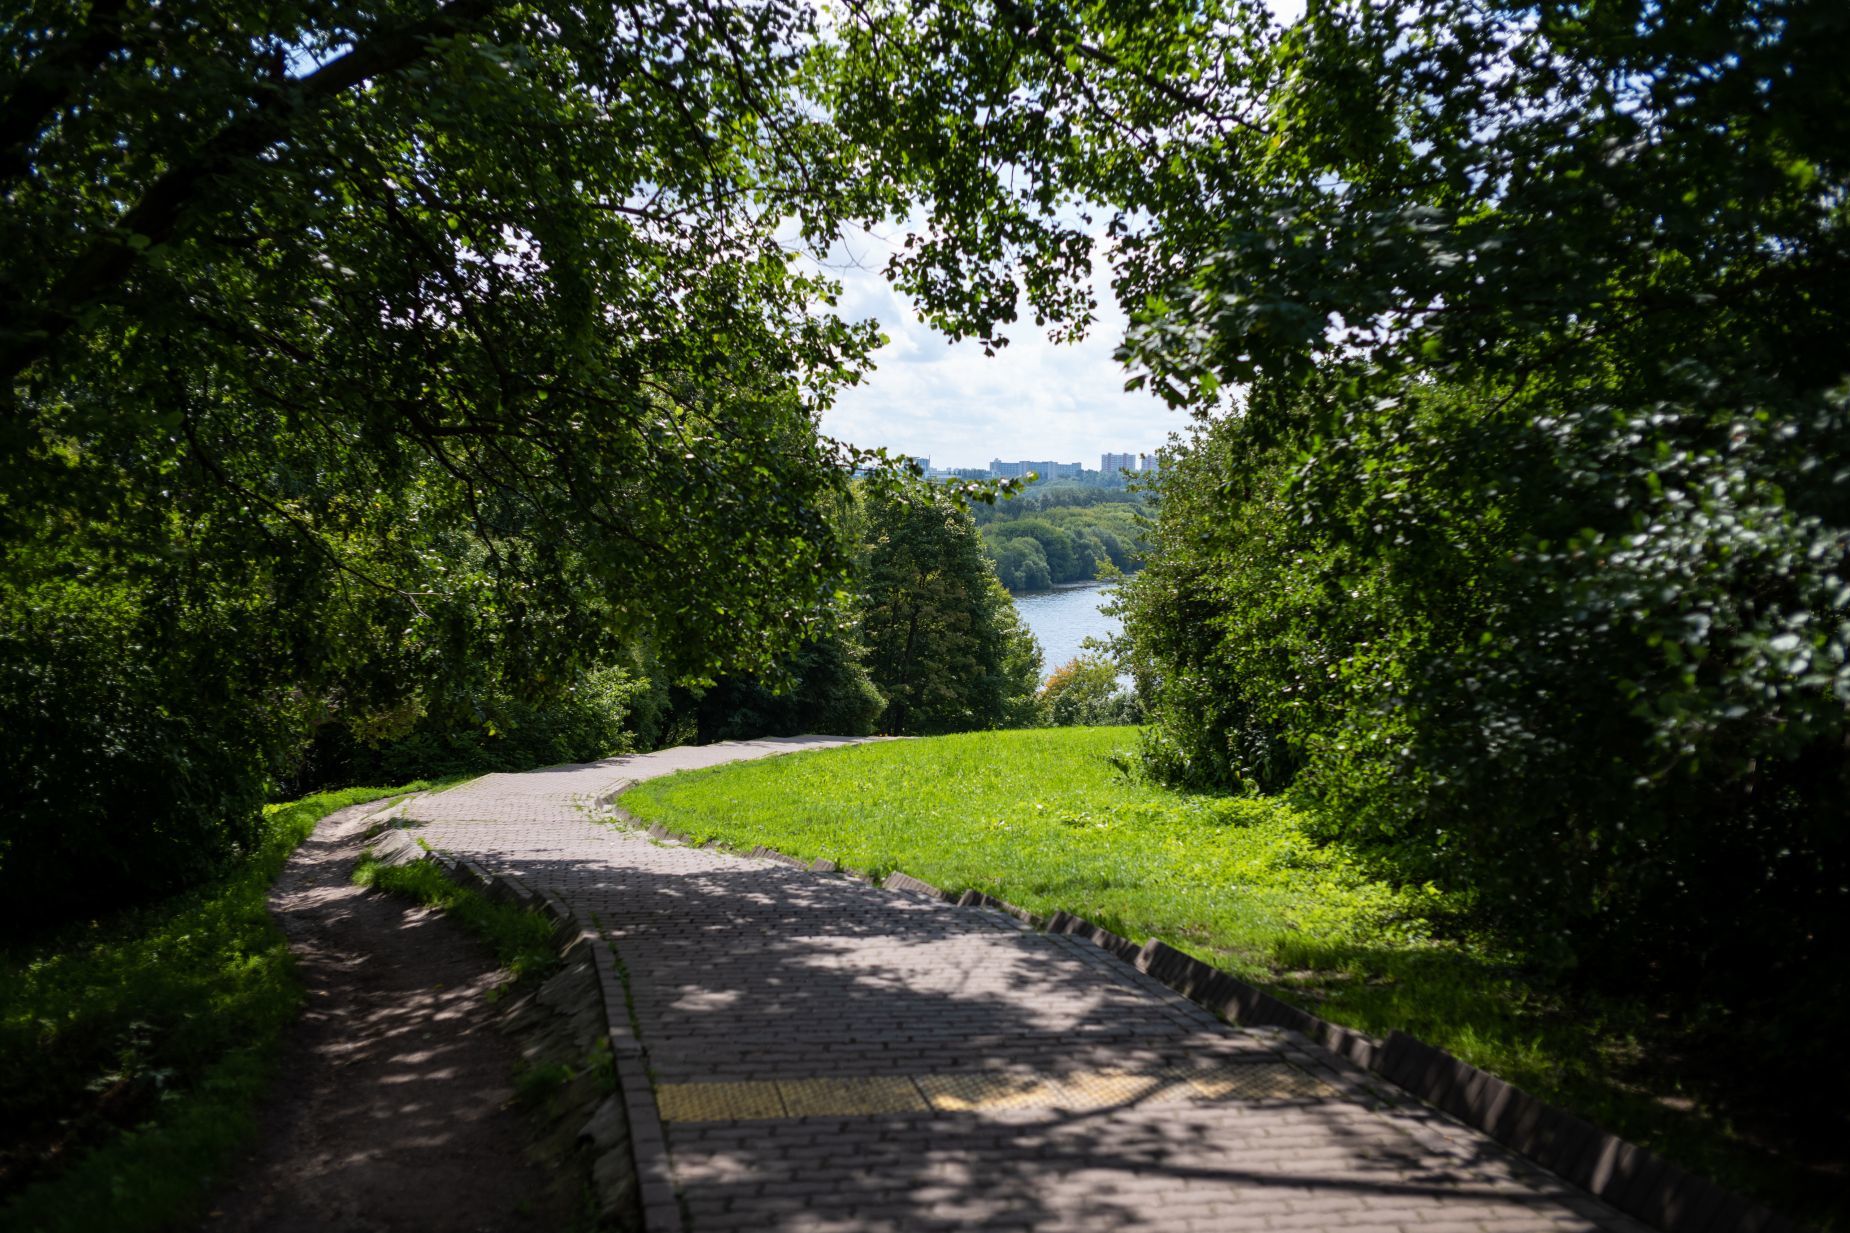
395 1107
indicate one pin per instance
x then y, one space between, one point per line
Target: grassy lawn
1051 819
133 1049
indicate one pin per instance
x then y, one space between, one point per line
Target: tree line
414 364
1043 539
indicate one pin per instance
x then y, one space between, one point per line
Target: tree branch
110 259
49 85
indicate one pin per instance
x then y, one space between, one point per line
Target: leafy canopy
361 362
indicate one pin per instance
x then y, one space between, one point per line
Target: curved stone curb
1621 1174
647 1144
661 1211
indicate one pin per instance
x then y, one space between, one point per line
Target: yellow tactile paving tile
966 1093
850 1097
1254 1081
960 1093
718 1102
1101 1089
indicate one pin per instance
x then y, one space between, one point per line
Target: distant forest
1057 533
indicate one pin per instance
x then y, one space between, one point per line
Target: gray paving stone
748 969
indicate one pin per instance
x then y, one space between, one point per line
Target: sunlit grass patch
522 940
1048 819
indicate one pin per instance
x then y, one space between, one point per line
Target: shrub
1086 692
489 729
126 771
824 688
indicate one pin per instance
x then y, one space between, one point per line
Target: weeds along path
825 1056
393 1112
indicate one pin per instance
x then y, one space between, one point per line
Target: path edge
1626 1177
648 1143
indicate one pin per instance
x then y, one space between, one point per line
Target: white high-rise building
1111 464
1044 469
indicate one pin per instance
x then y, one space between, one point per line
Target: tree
360 362
1085 691
944 642
1524 549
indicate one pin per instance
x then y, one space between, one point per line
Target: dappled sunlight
395 1070
829 1055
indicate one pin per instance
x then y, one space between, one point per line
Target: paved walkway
832 1057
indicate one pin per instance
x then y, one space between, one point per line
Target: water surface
1063 618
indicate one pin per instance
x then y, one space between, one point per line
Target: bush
491 729
1586 673
124 773
1086 692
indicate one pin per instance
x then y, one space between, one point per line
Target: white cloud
1032 399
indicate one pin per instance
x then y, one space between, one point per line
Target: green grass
133 1049
538 1084
522 940
1053 819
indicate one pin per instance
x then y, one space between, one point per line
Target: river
1063 618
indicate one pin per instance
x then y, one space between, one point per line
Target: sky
1032 400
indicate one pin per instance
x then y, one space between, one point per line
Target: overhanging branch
33 328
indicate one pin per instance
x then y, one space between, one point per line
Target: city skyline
1109 462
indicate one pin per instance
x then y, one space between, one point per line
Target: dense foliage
1035 544
944 643
924 640
354 367
1526 552
379 365
1087 692
599 713
822 686
1573 274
